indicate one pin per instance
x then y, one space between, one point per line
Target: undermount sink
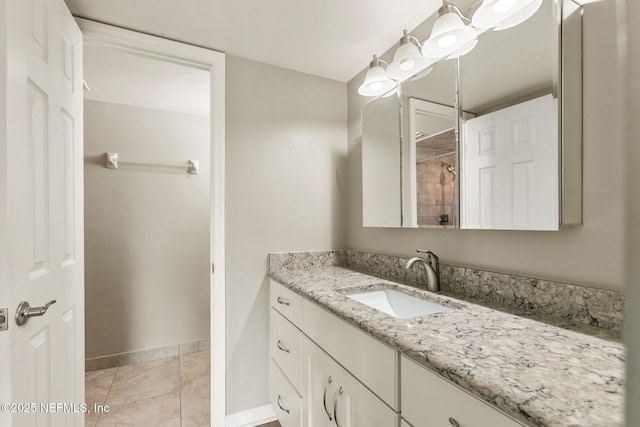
397 304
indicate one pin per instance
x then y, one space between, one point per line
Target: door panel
68 160
37 185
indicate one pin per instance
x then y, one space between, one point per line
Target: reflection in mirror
509 155
510 168
381 199
429 149
432 161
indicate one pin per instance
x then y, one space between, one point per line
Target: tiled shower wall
433 181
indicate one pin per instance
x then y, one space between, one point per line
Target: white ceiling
328 38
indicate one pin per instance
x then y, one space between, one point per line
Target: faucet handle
431 257
423 251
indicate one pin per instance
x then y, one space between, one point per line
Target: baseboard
148 355
252 417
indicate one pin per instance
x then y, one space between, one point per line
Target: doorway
154 180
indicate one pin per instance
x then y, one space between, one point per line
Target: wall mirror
489 140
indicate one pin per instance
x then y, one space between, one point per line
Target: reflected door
510 168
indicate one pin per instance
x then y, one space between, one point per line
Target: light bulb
407 59
376 81
502 6
447 41
447 35
407 64
503 14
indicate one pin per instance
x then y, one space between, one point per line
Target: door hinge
4 319
213 268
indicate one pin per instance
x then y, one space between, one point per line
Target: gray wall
285 191
630 62
592 254
146 230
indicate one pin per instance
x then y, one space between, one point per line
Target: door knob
25 311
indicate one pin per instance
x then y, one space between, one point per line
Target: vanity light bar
453 35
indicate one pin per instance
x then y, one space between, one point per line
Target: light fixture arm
452 8
377 61
408 38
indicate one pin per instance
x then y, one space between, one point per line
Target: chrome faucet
431 266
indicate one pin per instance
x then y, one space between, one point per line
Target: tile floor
172 392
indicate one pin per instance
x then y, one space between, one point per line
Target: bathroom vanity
336 361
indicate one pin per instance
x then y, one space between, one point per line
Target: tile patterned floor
172 392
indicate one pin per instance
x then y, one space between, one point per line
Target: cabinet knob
453 422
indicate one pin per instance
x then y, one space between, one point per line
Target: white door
41 203
510 168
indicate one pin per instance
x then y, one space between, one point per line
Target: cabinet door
331 391
319 385
356 406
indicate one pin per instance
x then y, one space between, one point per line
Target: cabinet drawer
287 302
372 362
286 401
285 347
428 400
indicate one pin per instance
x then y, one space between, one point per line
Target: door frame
193 56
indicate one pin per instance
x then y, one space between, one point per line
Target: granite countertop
540 374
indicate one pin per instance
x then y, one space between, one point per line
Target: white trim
142 44
252 417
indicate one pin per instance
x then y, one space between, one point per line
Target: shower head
451 170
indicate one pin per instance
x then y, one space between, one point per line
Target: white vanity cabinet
284 344
326 372
334 397
429 400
